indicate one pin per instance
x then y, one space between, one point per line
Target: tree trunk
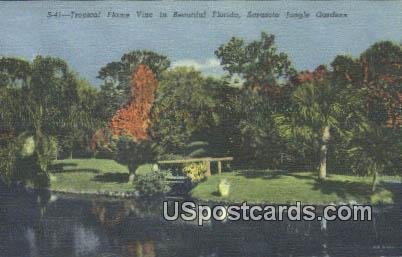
374 183
131 177
323 153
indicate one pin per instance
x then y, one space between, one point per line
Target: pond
47 225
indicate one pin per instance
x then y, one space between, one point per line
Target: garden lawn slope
90 176
281 187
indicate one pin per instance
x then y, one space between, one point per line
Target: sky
88 44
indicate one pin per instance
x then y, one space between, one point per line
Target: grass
283 187
91 176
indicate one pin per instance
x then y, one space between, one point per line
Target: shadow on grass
396 189
272 174
69 168
112 177
344 189
59 167
215 193
360 191
95 171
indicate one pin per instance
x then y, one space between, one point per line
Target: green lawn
91 176
282 187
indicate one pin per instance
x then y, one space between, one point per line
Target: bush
195 171
152 184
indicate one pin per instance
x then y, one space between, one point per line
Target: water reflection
41 225
111 219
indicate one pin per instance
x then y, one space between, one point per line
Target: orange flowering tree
133 119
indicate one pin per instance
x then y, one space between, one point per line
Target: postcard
200 128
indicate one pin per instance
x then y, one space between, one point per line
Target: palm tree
321 107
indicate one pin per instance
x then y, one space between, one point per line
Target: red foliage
319 73
133 119
393 101
100 138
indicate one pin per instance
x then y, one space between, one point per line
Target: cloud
209 64
189 63
213 63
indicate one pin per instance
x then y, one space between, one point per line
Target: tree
379 71
14 74
265 73
42 100
134 153
382 75
50 94
223 135
256 136
115 91
375 150
133 119
109 100
321 107
258 63
184 110
84 120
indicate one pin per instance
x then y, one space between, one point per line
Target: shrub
195 171
152 184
